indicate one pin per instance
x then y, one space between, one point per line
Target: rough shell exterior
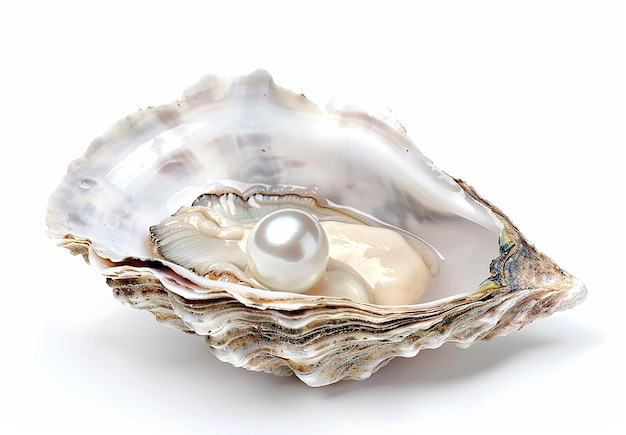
327 341
320 340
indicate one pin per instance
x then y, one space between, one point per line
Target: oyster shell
231 141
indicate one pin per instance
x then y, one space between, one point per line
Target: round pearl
288 251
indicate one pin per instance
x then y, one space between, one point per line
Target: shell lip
177 279
192 287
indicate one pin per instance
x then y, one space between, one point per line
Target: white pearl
287 250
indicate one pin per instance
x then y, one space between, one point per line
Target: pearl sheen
288 251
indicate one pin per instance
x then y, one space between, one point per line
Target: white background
518 98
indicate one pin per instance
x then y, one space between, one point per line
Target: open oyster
297 239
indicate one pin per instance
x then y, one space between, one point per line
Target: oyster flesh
297 239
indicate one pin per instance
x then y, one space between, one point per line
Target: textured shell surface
235 150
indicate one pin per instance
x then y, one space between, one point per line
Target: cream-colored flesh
394 270
366 264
